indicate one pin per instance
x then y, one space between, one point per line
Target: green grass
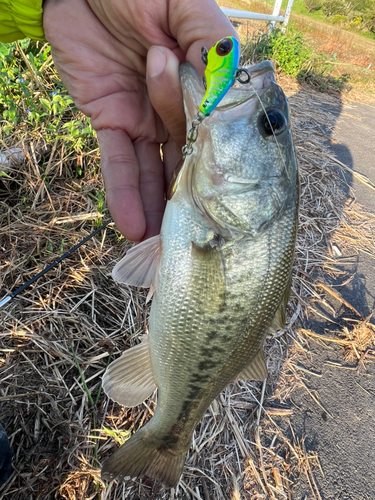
36 108
33 98
318 15
299 8
335 53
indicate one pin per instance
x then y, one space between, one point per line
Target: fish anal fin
256 369
129 380
140 265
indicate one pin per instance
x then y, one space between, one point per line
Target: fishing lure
221 72
222 62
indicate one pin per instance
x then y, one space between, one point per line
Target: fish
220 271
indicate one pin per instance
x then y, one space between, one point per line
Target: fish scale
224 258
183 329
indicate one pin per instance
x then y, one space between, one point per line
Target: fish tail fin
141 456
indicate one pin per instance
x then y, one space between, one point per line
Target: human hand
100 48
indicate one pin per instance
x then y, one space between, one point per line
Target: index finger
121 178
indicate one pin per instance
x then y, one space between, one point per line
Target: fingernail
156 61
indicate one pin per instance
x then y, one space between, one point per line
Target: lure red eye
224 47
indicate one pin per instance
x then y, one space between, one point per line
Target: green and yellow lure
222 69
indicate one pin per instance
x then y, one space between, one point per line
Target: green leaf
4 174
45 103
119 436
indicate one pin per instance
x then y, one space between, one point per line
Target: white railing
274 18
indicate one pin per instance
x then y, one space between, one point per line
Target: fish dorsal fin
278 322
129 380
140 265
256 369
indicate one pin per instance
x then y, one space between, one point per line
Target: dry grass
59 336
348 52
357 341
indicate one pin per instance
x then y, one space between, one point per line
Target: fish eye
224 47
271 122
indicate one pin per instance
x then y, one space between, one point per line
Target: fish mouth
262 77
260 68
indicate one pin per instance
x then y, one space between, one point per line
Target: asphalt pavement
343 435
354 136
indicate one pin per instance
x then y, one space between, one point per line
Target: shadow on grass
324 82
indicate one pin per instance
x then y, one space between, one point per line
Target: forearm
20 19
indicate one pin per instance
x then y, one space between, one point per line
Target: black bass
221 270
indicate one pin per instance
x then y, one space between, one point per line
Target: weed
323 81
339 19
287 50
33 99
119 436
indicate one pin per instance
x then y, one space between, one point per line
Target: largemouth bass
221 270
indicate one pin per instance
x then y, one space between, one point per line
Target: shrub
339 19
313 5
369 21
288 50
290 53
356 21
335 7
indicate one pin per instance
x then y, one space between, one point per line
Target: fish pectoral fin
278 322
256 370
129 380
140 265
